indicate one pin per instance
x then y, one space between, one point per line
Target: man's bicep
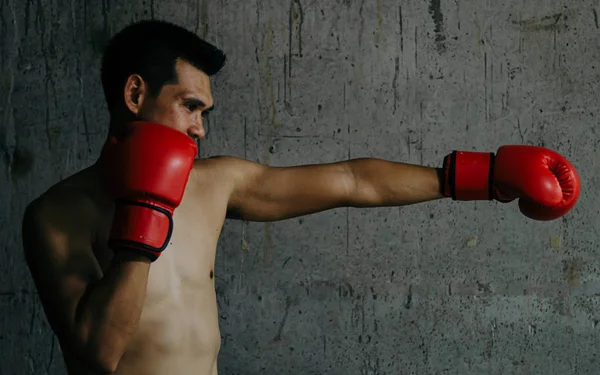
62 267
263 193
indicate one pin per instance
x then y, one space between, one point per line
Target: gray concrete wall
439 288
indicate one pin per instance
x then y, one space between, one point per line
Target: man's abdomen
177 335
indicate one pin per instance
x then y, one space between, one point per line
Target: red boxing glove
546 183
145 169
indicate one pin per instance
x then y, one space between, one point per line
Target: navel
212 274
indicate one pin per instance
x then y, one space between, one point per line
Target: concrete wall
439 288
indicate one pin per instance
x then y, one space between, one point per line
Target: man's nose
197 131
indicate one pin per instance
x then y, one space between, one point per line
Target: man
110 248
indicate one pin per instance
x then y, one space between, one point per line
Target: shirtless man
120 305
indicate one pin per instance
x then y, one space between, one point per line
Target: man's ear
135 92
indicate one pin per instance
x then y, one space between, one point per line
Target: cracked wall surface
437 288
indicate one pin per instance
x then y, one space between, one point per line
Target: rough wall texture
438 288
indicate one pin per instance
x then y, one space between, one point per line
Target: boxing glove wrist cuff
141 227
468 175
122 248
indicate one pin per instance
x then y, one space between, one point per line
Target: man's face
182 105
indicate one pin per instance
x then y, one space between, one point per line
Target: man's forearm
108 316
385 183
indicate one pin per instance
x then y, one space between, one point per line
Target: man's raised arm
93 314
145 170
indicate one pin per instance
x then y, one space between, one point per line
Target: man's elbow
102 361
359 190
106 365
100 356
349 186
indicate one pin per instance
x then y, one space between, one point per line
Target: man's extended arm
546 182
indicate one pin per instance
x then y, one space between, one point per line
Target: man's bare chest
188 261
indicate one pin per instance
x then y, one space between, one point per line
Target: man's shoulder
64 207
219 161
225 174
72 192
226 166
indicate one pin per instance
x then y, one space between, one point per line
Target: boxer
122 253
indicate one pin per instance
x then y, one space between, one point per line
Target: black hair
151 49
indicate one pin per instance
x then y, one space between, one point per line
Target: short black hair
151 48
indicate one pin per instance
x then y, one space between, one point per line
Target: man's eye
191 106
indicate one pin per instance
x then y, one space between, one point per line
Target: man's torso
178 331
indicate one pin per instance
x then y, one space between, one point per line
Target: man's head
156 71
